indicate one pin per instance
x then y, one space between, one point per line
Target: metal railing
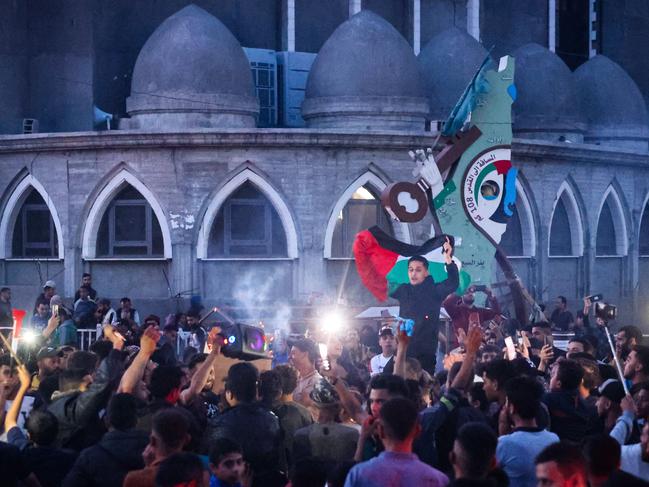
85 337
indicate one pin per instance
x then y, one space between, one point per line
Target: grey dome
546 105
192 72
365 77
612 104
447 64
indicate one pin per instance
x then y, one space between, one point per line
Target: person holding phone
460 308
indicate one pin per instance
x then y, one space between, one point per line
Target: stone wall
310 170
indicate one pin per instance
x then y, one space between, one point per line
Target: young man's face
83 293
622 343
126 305
49 365
387 343
377 398
603 404
5 295
487 357
8 381
417 272
630 365
560 305
642 403
43 310
490 388
230 468
549 475
575 347
298 358
86 280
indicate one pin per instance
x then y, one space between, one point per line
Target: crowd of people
504 406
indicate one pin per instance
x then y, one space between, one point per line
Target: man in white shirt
635 458
388 344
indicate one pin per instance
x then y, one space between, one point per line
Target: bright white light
332 322
323 350
29 336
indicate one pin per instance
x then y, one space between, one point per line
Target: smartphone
511 350
595 297
480 288
55 310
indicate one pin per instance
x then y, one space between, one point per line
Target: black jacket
421 303
256 429
107 463
78 412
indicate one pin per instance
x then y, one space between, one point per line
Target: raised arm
473 340
451 283
11 419
402 349
135 372
202 373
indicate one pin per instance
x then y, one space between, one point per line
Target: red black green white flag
382 261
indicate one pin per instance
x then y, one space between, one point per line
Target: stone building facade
193 191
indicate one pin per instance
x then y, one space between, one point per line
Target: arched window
512 239
606 237
129 227
611 237
362 210
34 233
566 237
247 225
560 233
644 232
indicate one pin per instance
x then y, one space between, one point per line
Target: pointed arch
526 222
371 179
13 206
116 184
226 190
643 229
611 204
566 209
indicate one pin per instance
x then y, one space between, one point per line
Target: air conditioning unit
30 125
263 64
294 70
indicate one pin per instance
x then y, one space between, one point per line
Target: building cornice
523 149
529 149
230 138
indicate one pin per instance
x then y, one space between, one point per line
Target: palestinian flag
382 261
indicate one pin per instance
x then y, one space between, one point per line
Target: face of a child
417 272
230 468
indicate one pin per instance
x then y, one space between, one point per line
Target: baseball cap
386 330
612 389
324 394
49 284
48 352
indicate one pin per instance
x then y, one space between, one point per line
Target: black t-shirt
561 319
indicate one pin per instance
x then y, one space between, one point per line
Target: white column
416 26
473 19
354 7
290 25
552 25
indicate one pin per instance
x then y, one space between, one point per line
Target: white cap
49 284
